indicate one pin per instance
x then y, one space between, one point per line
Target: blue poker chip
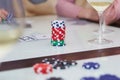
91 65
102 77
109 77
88 78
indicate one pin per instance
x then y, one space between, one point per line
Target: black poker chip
50 61
55 78
59 64
70 63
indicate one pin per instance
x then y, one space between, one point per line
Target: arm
68 8
112 14
39 9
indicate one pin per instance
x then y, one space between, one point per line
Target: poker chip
109 77
42 68
55 78
57 43
102 77
91 65
71 63
59 64
49 61
58 33
88 78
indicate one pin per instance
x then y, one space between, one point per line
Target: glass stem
104 24
101 24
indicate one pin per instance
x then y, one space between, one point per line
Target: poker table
17 64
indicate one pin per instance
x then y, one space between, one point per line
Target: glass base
100 42
106 31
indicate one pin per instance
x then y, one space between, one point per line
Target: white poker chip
58 24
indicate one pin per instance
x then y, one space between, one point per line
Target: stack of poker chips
59 64
58 33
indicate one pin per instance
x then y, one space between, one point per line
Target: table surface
78 32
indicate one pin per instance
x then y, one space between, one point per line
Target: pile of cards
34 37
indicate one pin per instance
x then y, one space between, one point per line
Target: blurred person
112 14
39 7
76 9
82 10
71 8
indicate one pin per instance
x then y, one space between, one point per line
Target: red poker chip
42 68
58 33
59 36
54 38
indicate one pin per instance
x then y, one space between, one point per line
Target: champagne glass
105 28
100 6
11 24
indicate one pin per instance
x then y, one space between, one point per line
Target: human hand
3 14
87 11
82 3
89 14
112 13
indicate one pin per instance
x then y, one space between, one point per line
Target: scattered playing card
34 37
